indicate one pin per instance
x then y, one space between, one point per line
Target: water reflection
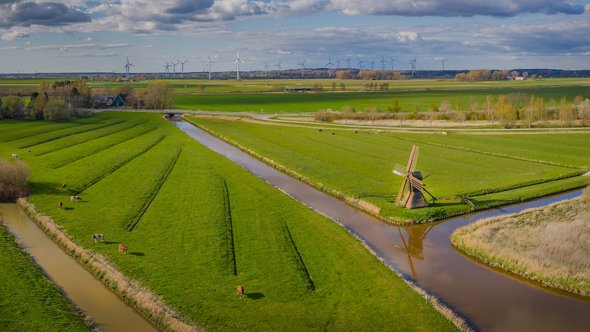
413 243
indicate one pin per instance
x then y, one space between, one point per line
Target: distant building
519 78
108 101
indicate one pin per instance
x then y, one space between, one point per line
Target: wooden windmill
414 197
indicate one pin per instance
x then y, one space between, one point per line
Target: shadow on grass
135 253
255 296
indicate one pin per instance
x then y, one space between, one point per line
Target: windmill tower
391 60
302 66
182 67
413 64
174 67
266 69
127 66
414 197
167 66
383 63
329 65
278 66
208 66
237 61
442 61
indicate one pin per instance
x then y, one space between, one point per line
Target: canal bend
489 299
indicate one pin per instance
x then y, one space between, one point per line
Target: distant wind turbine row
361 65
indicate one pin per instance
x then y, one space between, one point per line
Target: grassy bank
196 225
29 301
357 164
548 245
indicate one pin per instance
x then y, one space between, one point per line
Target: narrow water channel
489 299
108 312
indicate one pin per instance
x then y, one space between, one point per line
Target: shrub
56 109
13 180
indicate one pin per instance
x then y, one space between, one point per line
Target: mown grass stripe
121 164
104 147
108 133
132 225
82 129
36 132
299 263
229 229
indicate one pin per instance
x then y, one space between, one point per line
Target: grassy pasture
196 225
491 170
29 301
409 100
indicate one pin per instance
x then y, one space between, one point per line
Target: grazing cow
63 186
122 248
15 156
75 198
320 130
29 150
444 133
60 204
333 133
98 237
240 291
356 131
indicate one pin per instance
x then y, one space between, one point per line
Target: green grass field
29 301
491 169
196 225
409 100
412 95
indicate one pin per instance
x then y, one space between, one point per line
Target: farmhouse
106 101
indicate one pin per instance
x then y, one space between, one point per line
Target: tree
159 96
584 112
567 113
37 105
505 112
13 107
395 106
13 180
56 109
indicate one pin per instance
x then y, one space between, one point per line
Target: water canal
491 300
109 313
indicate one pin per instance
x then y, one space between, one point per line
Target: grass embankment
29 301
356 164
196 225
409 100
549 245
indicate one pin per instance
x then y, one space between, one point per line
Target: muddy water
106 309
489 299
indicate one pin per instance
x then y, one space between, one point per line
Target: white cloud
14 35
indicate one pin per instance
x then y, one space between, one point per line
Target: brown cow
240 291
60 204
122 248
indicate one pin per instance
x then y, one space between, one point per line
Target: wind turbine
182 67
348 63
338 63
383 63
127 66
209 62
302 65
329 65
237 61
372 64
391 60
361 66
278 65
413 64
174 67
266 68
167 66
442 61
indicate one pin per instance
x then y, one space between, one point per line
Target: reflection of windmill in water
413 246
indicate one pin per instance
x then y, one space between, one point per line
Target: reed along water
490 299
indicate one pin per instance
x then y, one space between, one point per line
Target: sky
93 36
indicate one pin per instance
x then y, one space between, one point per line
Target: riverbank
548 245
29 300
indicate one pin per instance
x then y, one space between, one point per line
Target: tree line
64 100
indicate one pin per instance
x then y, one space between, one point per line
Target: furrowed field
196 225
490 169
29 301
